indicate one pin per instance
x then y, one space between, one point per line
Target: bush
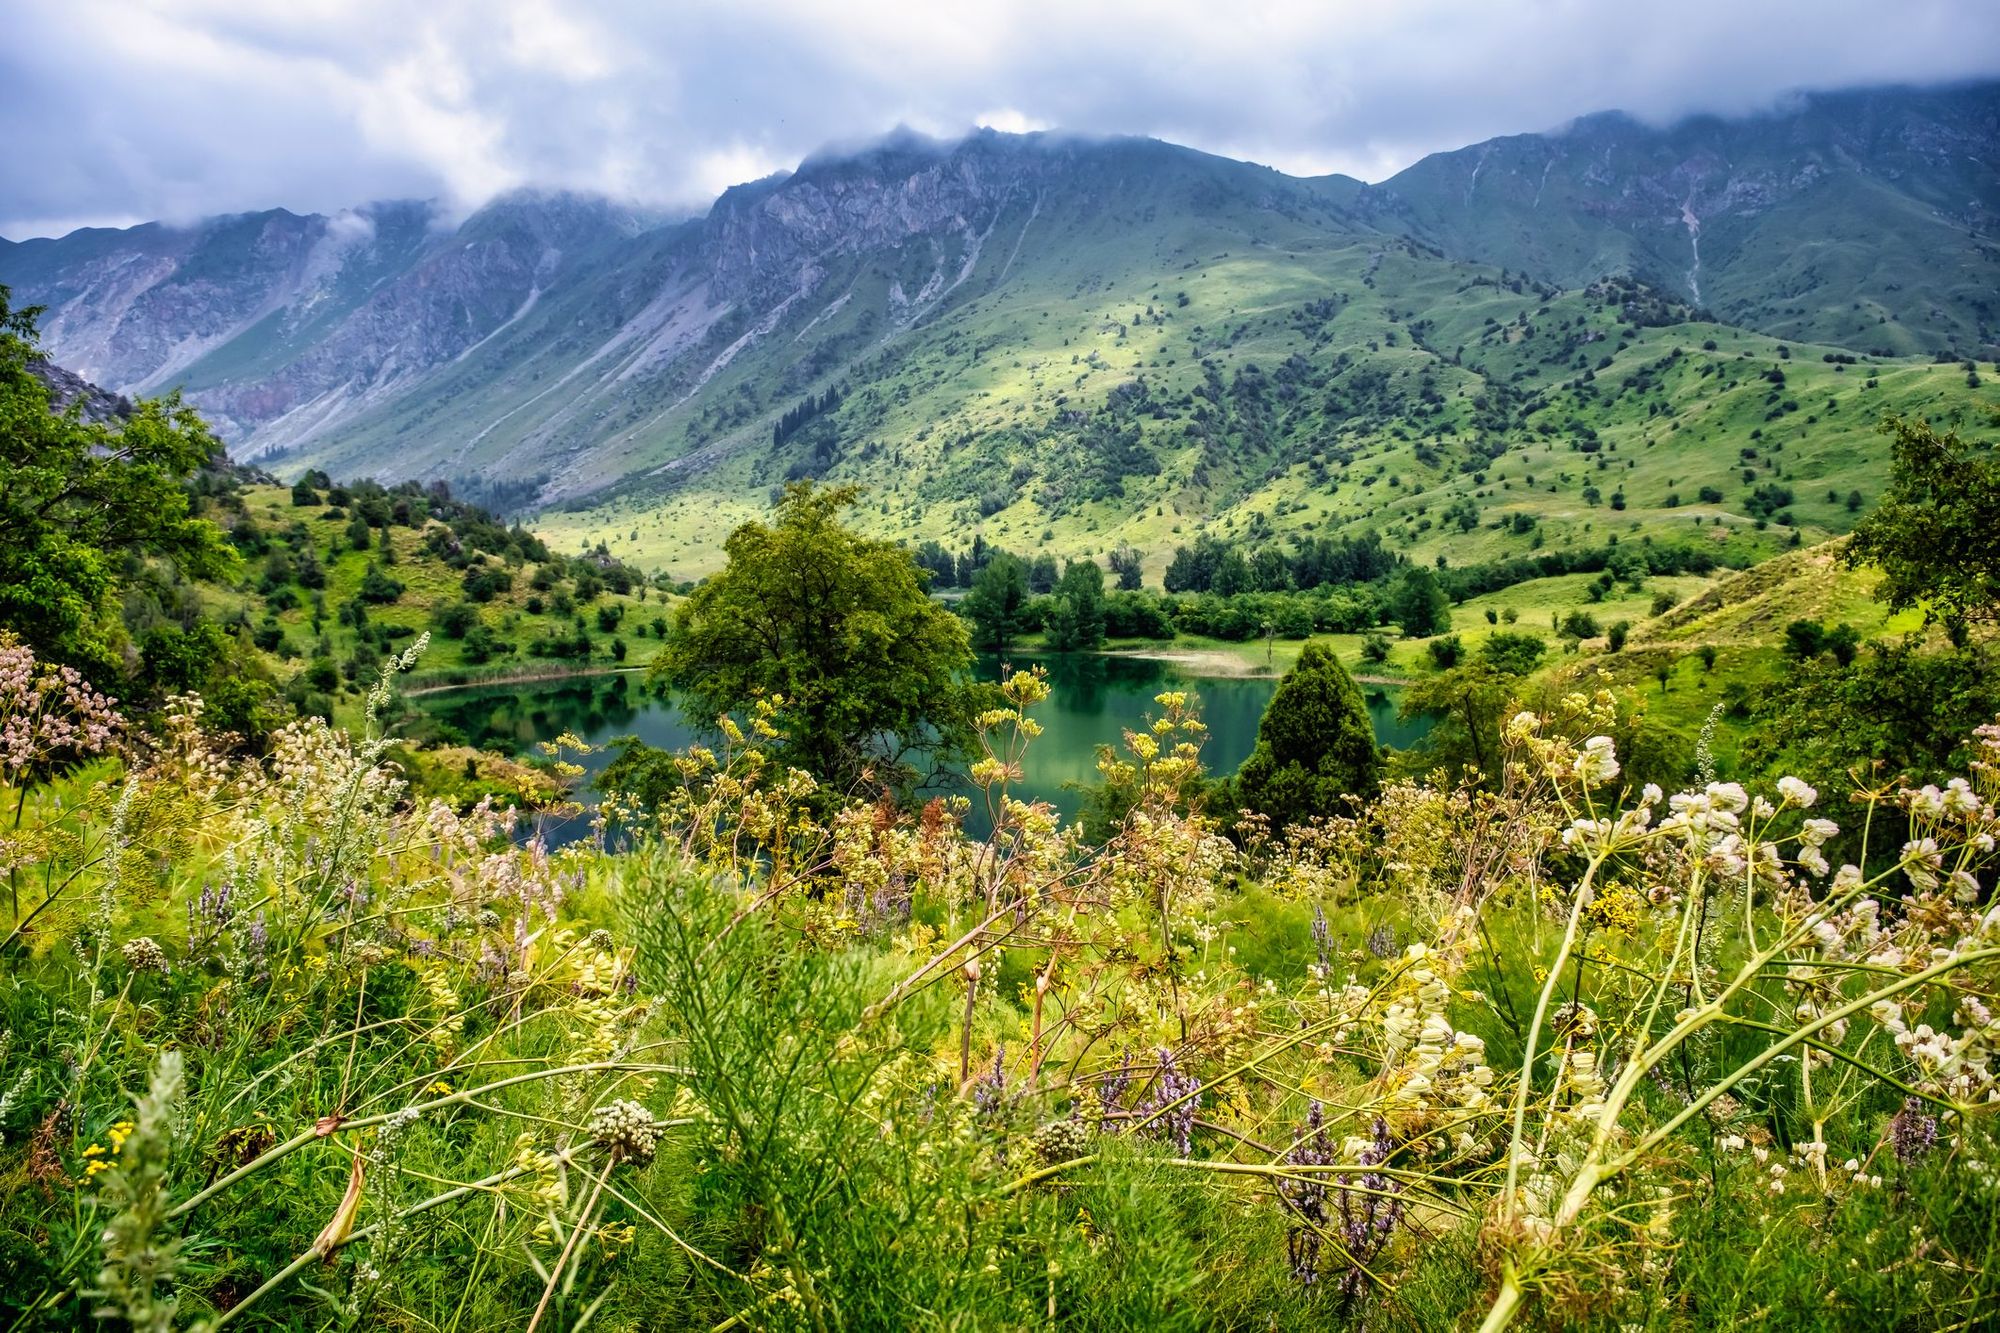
454 619
483 582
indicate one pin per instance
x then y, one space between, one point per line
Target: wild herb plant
1544 1050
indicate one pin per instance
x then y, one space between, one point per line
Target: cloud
179 108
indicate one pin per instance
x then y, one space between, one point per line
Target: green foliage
995 605
865 669
80 502
1315 751
1419 604
1076 622
1936 532
377 588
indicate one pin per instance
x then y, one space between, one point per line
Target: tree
999 592
1076 624
1127 564
1315 746
81 501
839 627
378 588
1936 532
1419 603
1042 573
454 619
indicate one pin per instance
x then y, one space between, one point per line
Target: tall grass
290 1045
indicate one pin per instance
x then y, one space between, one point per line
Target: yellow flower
439 1087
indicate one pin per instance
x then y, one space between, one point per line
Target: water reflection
1092 701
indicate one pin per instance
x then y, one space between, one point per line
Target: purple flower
1369 1212
1176 1097
1912 1132
1112 1091
989 1091
1306 1195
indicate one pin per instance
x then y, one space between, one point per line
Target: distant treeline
1338 585
795 418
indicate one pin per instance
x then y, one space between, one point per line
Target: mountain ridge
614 353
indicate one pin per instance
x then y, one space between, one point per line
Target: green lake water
1092 701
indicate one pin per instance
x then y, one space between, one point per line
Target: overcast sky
116 111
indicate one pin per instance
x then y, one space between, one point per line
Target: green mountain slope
1867 219
1052 340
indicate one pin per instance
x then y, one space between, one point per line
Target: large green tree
870 669
994 606
1936 533
81 502
1420 604
1315 745
1076 621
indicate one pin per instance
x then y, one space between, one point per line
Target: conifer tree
1315 746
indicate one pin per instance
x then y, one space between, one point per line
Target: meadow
290 1045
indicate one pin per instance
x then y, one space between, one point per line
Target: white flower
1796 792
1959 798
1597 762
1729 796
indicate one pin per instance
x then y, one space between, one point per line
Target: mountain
1866 219
1071 341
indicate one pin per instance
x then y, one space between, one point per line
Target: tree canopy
1936 533
999 594
1419 603
1076 621
1315 745
869 668
81 499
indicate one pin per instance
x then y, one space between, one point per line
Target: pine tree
1315 746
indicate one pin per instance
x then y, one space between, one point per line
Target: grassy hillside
320 605
1314 388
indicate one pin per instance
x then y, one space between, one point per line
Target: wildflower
1597 762
145 955
1369 1211
139 1258
1306 1195
1797 792
1171 1109
1062 1141
627 1129
1912 1131
990 1089
1112 1091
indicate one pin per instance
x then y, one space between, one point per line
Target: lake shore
1224 662
422 685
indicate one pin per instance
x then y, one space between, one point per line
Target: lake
1092 701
